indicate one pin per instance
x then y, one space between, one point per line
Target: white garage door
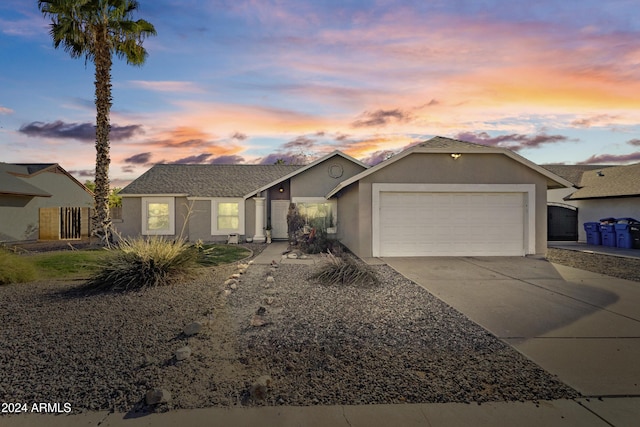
451 224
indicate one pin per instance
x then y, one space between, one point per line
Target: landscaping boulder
183 353
157 396
260 389
192 329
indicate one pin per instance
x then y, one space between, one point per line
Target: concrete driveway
583 327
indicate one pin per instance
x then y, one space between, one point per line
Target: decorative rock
269 300
157 395
227 292
243 266
258 321
260 389
183 353
292 256
242 271
234 276
261 310
270 279
233 286
192 329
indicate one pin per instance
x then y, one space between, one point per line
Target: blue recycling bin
593 233
608 234
622 227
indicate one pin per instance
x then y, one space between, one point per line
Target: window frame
171 202
215 231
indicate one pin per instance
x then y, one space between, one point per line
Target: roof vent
600 173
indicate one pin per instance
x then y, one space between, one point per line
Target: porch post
259 236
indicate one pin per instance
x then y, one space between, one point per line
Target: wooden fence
64 223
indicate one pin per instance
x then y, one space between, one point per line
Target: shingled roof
573 173
603 182
12 179
206 180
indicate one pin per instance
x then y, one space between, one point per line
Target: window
227 216
317 212
158 214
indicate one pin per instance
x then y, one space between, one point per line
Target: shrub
15 268
317 242
140 263
345 270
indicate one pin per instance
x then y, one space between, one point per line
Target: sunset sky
254 81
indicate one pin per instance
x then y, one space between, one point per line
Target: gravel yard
624 268
319 344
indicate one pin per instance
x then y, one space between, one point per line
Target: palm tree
96 30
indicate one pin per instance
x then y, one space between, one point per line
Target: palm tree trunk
102 220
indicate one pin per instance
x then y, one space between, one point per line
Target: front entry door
279 209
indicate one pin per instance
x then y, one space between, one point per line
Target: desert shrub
140 263
345 270
317 242
15 268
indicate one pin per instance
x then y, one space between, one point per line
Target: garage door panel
441 224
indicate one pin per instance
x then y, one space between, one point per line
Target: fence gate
70 223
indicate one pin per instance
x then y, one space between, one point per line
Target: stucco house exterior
210 202
31 198
440 197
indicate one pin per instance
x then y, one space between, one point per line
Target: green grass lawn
81 264
213 255
67 264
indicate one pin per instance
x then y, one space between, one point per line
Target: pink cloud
612 158
165 86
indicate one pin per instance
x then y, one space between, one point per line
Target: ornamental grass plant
15 268
343 269
138 263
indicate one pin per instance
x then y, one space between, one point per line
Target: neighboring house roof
206 180
441 144
573 173
12 180
604 182
306 167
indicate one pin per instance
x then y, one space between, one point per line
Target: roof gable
615 181
205 180
307 167
441 144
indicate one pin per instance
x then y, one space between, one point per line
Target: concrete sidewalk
583 413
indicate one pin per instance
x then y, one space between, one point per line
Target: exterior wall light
281 189
455 155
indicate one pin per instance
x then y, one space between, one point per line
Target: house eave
155 195
552 178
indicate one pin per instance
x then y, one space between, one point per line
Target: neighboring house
607 192
601 191
440 197
41 201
